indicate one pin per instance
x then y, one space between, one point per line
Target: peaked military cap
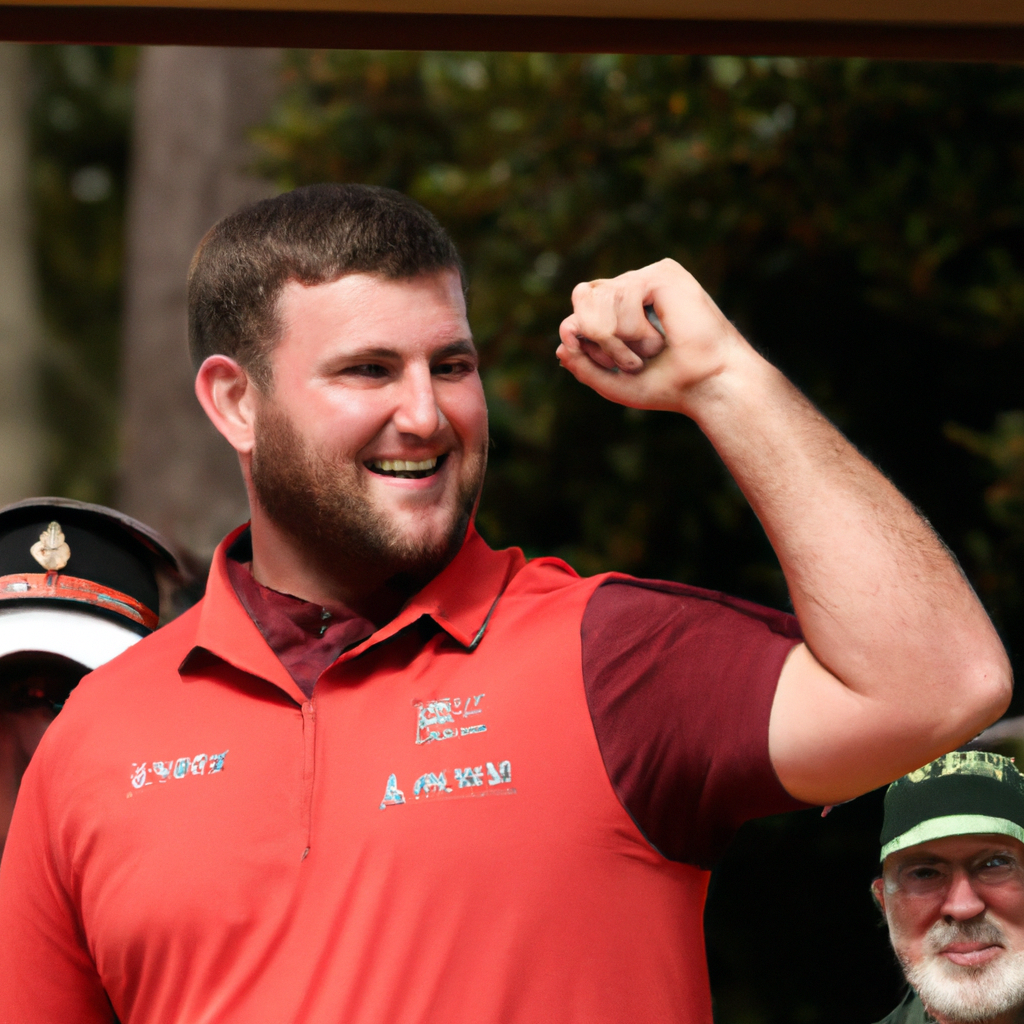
967 792
77 580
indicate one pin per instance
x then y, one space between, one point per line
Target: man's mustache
944 933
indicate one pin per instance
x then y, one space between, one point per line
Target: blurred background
862 222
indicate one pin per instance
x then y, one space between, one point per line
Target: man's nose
962 902
417 412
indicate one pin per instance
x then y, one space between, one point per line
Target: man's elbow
986 696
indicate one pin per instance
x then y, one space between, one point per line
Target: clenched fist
609 344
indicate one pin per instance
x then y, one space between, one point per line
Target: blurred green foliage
79 122
997 560
862 222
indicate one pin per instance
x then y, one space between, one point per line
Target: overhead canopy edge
237 26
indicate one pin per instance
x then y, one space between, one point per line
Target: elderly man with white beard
952 889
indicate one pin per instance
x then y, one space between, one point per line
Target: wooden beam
204 26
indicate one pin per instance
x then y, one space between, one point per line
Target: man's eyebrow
912 862
372 353
932 859
455 348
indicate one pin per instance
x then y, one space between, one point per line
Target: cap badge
51 551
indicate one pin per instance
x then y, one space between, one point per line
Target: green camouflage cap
963 793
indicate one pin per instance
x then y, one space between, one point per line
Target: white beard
966 995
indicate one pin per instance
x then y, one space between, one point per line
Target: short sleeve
46 972
680 683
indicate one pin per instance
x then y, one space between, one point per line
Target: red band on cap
70 588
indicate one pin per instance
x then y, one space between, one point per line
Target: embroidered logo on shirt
429 783
392 794
435 719
436 784
146 773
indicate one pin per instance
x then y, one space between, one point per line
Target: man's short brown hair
313 235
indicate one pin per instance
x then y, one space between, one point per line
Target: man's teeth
402 465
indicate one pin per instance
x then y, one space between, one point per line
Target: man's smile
405 468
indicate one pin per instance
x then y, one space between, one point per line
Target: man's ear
229 398
878 893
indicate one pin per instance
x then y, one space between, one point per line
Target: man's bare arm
901 662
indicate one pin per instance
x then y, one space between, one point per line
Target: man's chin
967 994
426 552
350 525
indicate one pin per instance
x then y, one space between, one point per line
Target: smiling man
952 889
384 773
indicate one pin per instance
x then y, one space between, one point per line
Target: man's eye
995 867
451 369
922 879
367 370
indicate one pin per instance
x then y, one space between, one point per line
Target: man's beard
306 495
966 995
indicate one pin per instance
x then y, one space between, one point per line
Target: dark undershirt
306 637
679 682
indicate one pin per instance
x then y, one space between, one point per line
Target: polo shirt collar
460 599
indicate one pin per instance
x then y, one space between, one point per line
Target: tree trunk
21 443
193 109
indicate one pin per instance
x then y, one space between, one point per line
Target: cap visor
953 825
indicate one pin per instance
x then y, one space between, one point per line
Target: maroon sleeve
680 683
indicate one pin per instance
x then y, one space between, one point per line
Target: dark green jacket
910 1011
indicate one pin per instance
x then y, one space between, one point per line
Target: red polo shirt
439 834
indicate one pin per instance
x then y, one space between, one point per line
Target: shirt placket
308 769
